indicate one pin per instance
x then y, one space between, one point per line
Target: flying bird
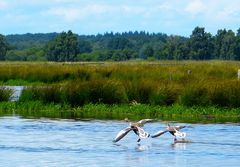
137 128
173 130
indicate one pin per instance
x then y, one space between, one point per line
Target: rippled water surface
44 142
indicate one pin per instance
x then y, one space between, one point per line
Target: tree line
67 46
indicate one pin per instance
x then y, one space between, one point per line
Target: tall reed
5 94
159 83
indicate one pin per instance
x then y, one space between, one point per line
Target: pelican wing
143 121
159 133
122 133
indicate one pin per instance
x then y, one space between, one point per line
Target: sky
173 17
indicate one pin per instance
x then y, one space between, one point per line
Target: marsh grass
37 109
165 95
46 94
5 94
159 83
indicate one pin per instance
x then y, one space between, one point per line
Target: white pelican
137 129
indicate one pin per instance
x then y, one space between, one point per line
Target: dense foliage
3 47
66 46
63 48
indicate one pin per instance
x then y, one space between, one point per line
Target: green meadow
190 91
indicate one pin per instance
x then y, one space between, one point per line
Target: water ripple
89 143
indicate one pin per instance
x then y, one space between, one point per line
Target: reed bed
211 83
178 113
5 94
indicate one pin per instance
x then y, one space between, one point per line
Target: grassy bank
107 91
119 112
188 83
168 90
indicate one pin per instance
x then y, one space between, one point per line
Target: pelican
174 130
136 127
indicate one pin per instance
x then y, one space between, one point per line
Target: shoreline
178 113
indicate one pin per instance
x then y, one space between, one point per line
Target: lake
59 142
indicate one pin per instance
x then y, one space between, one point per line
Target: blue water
69 143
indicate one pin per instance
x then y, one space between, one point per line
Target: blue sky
178 17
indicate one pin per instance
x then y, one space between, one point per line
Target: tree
63 48
119 43
225 45
237 48
148 51
84 46
228 46
3 47
30 54
201 44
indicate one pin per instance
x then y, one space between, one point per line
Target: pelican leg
139 140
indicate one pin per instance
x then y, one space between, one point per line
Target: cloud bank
99 16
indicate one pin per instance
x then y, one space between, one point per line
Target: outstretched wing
143 121
122 133
159 133
179 127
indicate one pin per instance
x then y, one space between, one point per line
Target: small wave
217 143
40 149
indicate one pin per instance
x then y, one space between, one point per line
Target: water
17 90
44 142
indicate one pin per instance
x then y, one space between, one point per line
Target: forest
68 46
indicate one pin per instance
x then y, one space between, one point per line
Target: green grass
106 90
178 113
5 94
211 83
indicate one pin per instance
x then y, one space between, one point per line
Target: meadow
166 88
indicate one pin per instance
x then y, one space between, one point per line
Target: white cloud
195 7
68 14
229 12
72 14
112 15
